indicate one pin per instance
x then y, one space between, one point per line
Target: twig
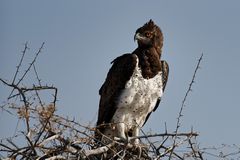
38 79
191 134
3 109
31 64
20 62
100 150
171 149
180 114
192 147
56 136
34 88
39 83
167 149
56 157
151 144
161 145
26 104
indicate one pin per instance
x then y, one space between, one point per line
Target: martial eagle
133 87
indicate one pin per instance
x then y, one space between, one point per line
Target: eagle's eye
148 34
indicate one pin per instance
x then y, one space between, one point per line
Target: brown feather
120 72
165 71
149 55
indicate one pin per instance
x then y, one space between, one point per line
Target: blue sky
83 37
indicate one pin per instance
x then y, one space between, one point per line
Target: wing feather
165 72
120 72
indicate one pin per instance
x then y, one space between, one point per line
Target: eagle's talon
121 140
138 148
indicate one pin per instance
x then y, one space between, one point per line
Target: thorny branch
180 114
28 69
50 136
20 62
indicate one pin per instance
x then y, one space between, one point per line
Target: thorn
165 127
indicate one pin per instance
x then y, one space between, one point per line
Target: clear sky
83 37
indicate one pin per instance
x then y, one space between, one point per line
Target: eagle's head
149 35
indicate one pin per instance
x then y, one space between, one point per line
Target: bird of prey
133 87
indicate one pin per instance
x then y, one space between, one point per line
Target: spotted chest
138 99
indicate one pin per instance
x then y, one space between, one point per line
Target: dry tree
48 135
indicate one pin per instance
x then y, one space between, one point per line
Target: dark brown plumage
148 57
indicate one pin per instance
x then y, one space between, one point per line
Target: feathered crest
150 25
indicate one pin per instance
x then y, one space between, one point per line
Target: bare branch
180 114
28 69
50 136
191 134
58 157
100 150
20 62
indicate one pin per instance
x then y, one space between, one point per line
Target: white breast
138 99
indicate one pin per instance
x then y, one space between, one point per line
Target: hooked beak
138 36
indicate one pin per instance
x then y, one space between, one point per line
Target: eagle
133 87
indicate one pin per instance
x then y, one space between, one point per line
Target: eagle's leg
135 133
121 131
